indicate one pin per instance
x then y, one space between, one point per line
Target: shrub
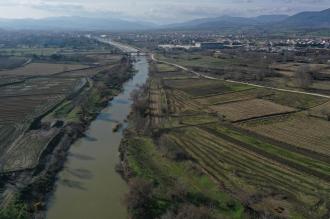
139 199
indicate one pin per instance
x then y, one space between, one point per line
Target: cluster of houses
254 45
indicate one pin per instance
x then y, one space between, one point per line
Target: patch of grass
29 51
299 101
63 110
15 210
165 68
198 60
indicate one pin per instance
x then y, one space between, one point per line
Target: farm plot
289 69
165 68
180 102
175 75
20 109
40 86
299 101
249 109
26 151
8 133
10 62
299 130
283 191
204 87
41 69
235 96
322 111
88 72
157 102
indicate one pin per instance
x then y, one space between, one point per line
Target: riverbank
75 115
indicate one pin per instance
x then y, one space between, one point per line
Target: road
124 48
238 82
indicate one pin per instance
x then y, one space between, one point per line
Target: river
89 187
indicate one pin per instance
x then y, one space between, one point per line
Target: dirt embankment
39 182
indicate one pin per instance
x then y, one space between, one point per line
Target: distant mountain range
319 19
228 22
306 20
74 23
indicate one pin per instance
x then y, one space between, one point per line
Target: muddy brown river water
89 187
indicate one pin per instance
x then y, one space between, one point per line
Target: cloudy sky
158 11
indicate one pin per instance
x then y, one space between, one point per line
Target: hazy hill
319 19
73 23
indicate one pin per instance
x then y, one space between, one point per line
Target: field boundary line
266 116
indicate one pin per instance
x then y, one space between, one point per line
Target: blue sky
158 11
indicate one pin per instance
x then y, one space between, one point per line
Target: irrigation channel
89 187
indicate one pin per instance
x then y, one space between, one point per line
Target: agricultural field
28 51
21 104
42 69
268 149
165 68
248 109
8 62
33 92
321 111
300 130
289 69
204 87
199 60
26 150
235 96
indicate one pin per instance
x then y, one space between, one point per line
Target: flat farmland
197 60
41 86
11 62
204 87
21 103
19 109
235 96
179 102
299 130
321 111
165 68
25 152
41 69
283 191
299 101
248 109
289 69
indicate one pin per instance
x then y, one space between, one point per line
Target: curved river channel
88 186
